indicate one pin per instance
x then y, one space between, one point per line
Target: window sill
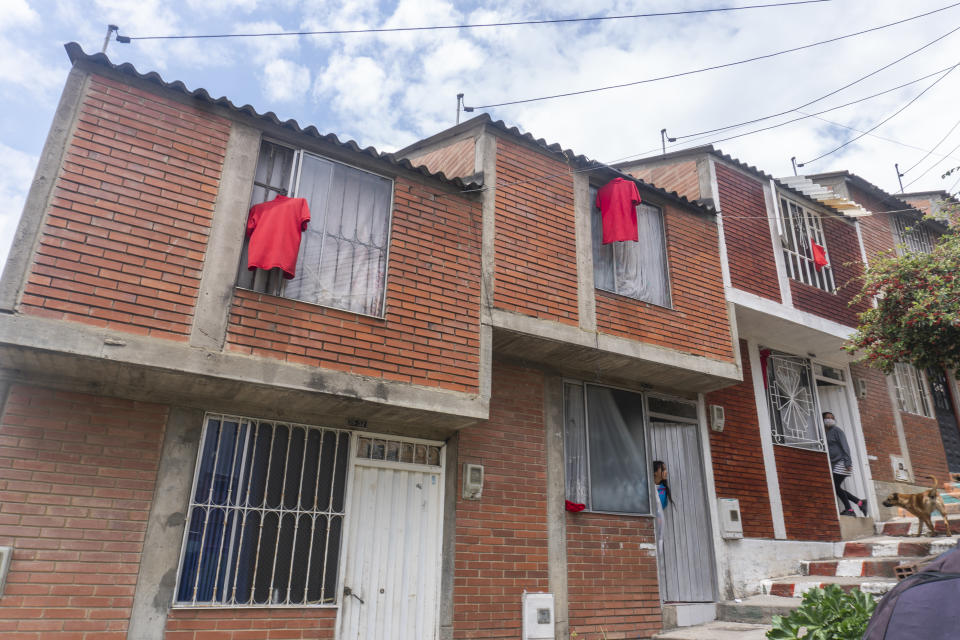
832 293
314 304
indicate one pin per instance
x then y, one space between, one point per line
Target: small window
343 252
911 394
606 455
800 226
790 393
265 516
912 235
633 269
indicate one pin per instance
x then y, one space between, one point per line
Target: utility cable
879 137
514 23
711 68
930 168
927 155
825 96
884 121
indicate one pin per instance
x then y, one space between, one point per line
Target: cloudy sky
390 89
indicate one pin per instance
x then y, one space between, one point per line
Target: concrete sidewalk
717 631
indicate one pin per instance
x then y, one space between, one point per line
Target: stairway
867 563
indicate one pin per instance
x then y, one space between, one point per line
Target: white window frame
912 390
272 282
912 235
800 224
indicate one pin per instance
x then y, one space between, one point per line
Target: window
265 516
912 235
911 393
799 226
605 448
790 393
343 252
633 269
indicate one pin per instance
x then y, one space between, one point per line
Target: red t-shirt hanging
274 228
618 200
819 255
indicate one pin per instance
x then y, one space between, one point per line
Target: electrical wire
927 155
825 96
930 168
882 122
481 25
879 137
711 68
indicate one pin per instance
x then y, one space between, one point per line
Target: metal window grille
912 236
398 451
911 396
793 407
800 226
265 516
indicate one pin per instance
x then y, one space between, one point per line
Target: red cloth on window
618 200
574 506
819 255
274 229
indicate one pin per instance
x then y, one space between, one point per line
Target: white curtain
575 443
618 462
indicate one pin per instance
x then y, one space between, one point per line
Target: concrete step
910 525
890 547
796 586
717 630
855 567
756 609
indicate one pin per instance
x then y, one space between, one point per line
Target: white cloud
16 172
285 80
17 13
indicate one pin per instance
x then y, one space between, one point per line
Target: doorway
946 416
391 578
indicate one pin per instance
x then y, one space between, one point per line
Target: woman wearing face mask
842 465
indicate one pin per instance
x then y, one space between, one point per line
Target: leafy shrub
826 614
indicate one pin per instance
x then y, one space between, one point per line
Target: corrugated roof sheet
827 196
76 53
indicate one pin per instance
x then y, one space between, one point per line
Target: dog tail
935 488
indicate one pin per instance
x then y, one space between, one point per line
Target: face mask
830 422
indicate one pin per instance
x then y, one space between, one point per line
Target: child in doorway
663 497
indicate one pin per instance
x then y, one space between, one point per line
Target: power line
711 68
882 122
514 23
927 155
823 97
928 169
879 137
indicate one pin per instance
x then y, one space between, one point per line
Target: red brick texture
738 468
876 230
454 160
806 489
77 476
501 540
681 177
847 265
926 448
612 581
430 334
535 247
753 266
251 624
125 236
877 421
698 322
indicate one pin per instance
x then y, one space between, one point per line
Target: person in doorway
663 497
842 465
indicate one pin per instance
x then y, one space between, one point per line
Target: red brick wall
738 468
535 245
124 241
77 476
698 323
749 249
876 230
806 488
877 421
251 624
430 334
681 177
501 540
847 266
454 160
926 448
612 581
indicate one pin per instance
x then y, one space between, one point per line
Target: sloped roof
827 196
76 54
864 185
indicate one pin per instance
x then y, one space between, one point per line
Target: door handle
347 591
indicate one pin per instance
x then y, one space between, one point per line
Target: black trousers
845 496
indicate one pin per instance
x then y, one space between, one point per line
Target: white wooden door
391 581
833 398
687 564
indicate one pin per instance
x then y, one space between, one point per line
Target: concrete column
449 552
41 191
586 297
766 443
556 514
168 515
487 144
226 239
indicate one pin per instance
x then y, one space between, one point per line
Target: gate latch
347 591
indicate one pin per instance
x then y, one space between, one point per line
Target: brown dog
921 505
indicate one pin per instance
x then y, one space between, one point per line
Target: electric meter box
538 616
731 526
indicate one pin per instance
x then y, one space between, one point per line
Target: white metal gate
833 398
391 581
687 564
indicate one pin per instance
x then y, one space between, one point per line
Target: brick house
386 441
